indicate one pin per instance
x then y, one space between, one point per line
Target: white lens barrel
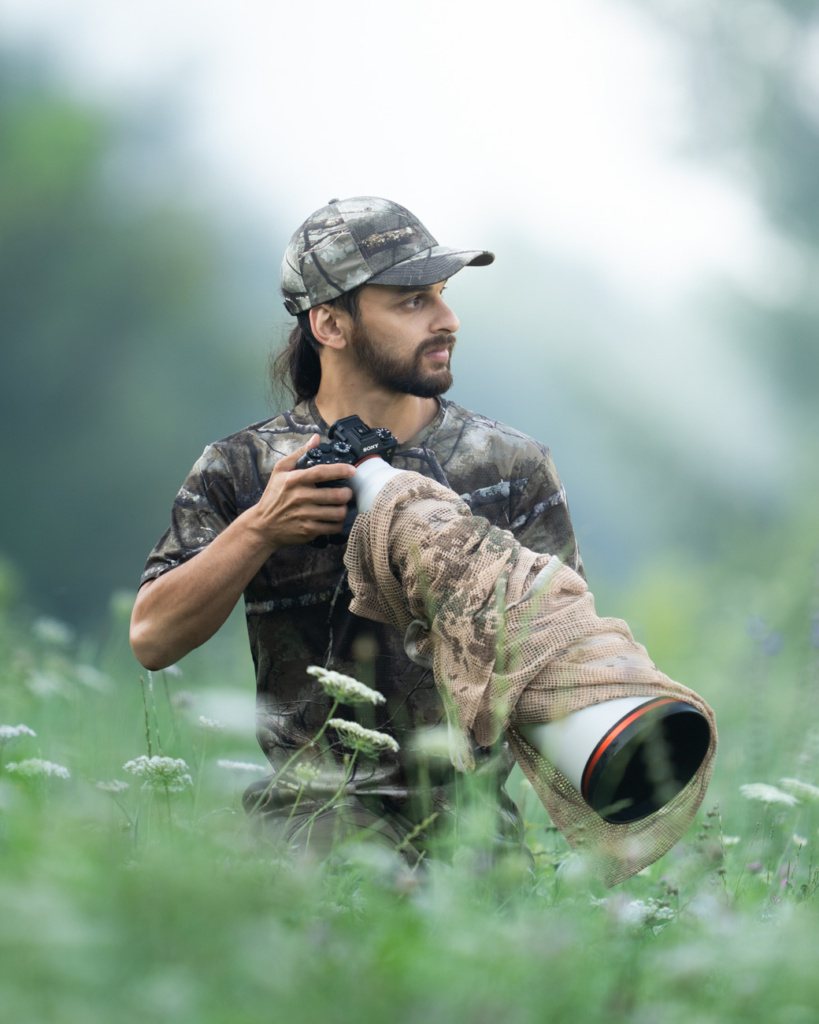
569 742
626 757
370 477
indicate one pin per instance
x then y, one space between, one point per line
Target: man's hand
186 605
293 510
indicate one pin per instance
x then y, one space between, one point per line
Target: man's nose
444 321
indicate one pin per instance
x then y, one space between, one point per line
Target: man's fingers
331 495
289 461
313 474
324 474
324 513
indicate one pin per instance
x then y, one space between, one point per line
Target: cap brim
432 265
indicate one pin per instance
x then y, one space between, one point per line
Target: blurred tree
599 381
752 69
125 347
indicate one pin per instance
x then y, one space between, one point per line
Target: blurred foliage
120 904
751 68
125 345
136 330
596 380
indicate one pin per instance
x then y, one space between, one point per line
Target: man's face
403 338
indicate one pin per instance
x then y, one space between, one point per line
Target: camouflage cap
366 240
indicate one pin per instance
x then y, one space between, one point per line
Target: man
375 337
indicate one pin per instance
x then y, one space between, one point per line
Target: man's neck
403 415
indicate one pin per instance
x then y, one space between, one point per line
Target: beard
408 376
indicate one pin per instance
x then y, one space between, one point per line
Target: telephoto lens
626 757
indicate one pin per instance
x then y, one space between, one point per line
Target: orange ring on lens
604 744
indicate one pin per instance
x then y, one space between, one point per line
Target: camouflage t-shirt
297 604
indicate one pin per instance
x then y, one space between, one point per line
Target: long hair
297 367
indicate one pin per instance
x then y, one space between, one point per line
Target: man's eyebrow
406 289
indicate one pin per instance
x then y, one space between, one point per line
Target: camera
363 442
351 442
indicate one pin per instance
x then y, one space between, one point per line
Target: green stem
170 816
147 716
296 754
153 708
170 708
197 789
296 803
136 819
123 808
311 820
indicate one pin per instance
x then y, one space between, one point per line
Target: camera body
351 442
363 442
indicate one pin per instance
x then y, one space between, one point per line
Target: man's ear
329 326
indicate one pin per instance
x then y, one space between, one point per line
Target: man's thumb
289 461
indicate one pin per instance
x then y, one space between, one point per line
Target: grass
139 905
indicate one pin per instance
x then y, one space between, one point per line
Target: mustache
436 342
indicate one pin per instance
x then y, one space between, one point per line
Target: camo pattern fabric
350 241
514 641
297 606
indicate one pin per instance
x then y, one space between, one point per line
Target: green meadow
123 901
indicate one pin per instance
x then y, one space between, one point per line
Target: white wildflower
209 724
799 841
173 670
306 773
11 732
34 767
801 790
658 911
652 912
115 786
767 794
435 742
48 684
368 741
731 840
91 677
240 766
52 631
345 688
161 772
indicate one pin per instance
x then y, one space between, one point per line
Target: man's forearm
184 607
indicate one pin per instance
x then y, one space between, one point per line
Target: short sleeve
540 517
203 508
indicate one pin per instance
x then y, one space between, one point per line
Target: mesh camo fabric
514 639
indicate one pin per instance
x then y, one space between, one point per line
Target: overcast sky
558 119
561 121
